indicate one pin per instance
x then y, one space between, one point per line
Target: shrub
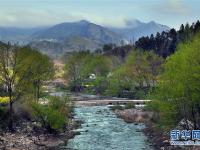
53 116
4 100
99 85
49 118
63 105
166 118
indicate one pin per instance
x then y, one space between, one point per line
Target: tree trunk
10 110
194 118
38 91
185 115
10 118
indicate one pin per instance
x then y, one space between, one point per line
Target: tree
74 64
20 67
119 81
9 75
164 44
188 32
143 67
81 65
100 66
197 27
36 68
42 70
179 85
97 64
136 76
108 47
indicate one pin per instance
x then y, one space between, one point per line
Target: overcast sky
32 13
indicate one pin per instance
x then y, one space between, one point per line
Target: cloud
35 17
103 19
30 18
172 7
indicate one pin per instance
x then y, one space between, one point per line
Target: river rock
134 115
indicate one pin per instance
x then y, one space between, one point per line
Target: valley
99 75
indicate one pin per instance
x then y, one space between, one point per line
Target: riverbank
29 136
159 140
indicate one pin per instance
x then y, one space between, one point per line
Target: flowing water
102 130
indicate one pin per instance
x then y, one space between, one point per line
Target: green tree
19 68
9 60
118 81
36 68
179 85
97 64
42 70
136 76
144 67
74 65
81 65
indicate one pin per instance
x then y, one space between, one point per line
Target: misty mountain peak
132 23
80 35
83 22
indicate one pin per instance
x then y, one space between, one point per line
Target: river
102 130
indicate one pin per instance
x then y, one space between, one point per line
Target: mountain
17 35
133 23
76 36
136 29
82 29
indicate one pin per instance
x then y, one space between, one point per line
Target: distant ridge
136 29
80 35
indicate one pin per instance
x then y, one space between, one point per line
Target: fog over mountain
135 29
81 35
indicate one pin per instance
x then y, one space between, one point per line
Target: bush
49 118
53 116
99 85
166 113
63 105
4 100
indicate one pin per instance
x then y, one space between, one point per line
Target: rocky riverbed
30 137
155 136
158 138
134 115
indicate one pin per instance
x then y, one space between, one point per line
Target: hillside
18 35
136 29
76 36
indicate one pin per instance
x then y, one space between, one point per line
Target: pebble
25 139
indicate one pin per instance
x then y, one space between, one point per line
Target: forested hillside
165 43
